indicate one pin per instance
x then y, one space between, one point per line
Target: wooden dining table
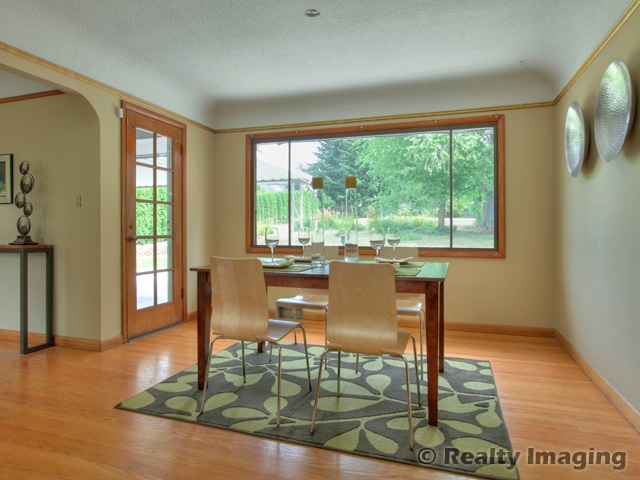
429 281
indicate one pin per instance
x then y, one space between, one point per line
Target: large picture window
439 183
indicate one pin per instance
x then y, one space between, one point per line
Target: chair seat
408 305
314 300
278 329
396 350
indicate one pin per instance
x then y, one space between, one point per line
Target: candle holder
24 224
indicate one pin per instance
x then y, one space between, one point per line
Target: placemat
290 268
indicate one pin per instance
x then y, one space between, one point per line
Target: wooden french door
153 222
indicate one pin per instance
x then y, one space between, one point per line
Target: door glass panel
165 287
164 149
163 219
144 289
144 146
164 182
144 219
161 254
144 182
165 253
144 255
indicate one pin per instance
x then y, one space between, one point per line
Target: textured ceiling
236 63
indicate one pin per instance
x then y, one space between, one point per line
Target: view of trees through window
437 187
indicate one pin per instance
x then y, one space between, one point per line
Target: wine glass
271 238
304 236
393 237
376 240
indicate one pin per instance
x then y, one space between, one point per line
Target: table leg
24 302
441 322
432 323
204 330
49 294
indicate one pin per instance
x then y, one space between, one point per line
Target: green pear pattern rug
369 417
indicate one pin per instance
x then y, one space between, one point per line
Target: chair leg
415 360
339 363
315 402
326 320
357 360
276 313
244 370
206 377
279 382
409 414
306 353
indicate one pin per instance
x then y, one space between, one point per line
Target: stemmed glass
271 238
304 237
393 237
376 240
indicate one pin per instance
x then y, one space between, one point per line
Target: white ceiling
239 63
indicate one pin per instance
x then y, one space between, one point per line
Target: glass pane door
154 219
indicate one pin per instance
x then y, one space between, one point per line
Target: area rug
369 417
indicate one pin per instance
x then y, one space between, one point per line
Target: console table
24 251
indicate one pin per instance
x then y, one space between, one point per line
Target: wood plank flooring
57 419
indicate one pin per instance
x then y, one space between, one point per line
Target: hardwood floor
57 418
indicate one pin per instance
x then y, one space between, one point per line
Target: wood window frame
500 214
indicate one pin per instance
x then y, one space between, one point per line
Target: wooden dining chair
239 311
362 319
409 304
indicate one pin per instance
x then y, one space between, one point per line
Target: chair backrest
362 307
239 307
401 252
330 252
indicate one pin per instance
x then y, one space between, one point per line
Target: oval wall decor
576 138
615 109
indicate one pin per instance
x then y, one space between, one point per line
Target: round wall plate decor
615 109
576 138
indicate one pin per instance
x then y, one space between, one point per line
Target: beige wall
598 224
202 221
517 290
58 136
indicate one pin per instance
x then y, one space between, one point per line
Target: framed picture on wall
6 178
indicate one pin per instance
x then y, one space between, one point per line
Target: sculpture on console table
24 224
